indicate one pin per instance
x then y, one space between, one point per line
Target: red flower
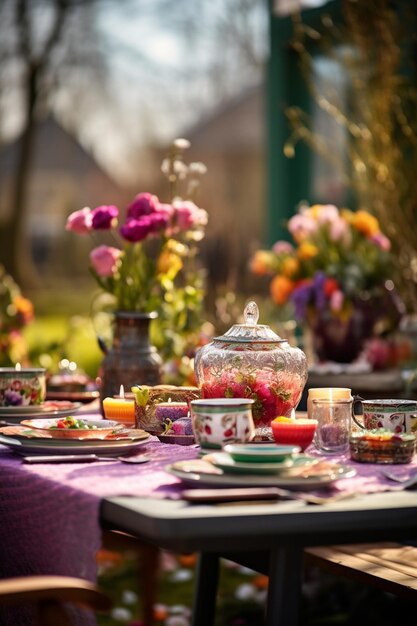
330 286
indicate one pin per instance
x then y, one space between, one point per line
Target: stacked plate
47 409
40 436
260 464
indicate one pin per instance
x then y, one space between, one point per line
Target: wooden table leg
205 592
284 590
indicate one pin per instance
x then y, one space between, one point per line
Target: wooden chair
389 566
148 566
49 593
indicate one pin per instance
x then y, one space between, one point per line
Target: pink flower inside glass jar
251 361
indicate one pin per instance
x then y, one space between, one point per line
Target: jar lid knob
251 313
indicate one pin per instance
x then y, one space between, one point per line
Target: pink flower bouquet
152 241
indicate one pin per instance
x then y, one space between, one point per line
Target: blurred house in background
65 177
231 143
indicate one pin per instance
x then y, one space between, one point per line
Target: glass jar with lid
251 361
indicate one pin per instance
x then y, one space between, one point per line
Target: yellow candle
120 409
326 393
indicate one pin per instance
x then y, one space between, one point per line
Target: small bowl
382 446
260 452
298 432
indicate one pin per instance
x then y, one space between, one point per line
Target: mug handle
357 399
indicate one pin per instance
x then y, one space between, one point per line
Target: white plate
273 480
15 414
108 448
228 464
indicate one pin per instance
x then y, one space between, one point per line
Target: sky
170 62
170 72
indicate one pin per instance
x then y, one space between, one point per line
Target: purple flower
301 297
159 221
135 230
319 282
13 398
143 204
104 217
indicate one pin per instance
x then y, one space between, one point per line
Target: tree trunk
18 261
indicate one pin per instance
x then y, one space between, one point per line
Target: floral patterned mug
217 421
20 388
399 416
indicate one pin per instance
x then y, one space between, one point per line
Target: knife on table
213 496
67 458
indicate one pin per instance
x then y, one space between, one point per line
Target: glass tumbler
333 425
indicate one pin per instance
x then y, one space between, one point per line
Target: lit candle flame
18 367
122 392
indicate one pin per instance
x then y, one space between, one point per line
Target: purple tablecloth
50 512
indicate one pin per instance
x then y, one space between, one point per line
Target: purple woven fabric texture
50 513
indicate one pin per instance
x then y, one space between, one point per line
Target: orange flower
307 250
365 223
281 287
261 262
108 557
261 581
160 613
24 307
289 266
187 560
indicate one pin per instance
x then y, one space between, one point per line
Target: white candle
326 393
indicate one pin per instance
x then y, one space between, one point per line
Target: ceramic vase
131 359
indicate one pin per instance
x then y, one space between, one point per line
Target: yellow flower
307 250
169 263
314 211
261 262
347 215
177 247
365 223
281 287
289 266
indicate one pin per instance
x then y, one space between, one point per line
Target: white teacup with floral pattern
399 416
218 421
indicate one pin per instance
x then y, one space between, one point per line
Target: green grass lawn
53 337
326 599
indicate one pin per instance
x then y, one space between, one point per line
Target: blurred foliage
52 338
16 312
372 47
